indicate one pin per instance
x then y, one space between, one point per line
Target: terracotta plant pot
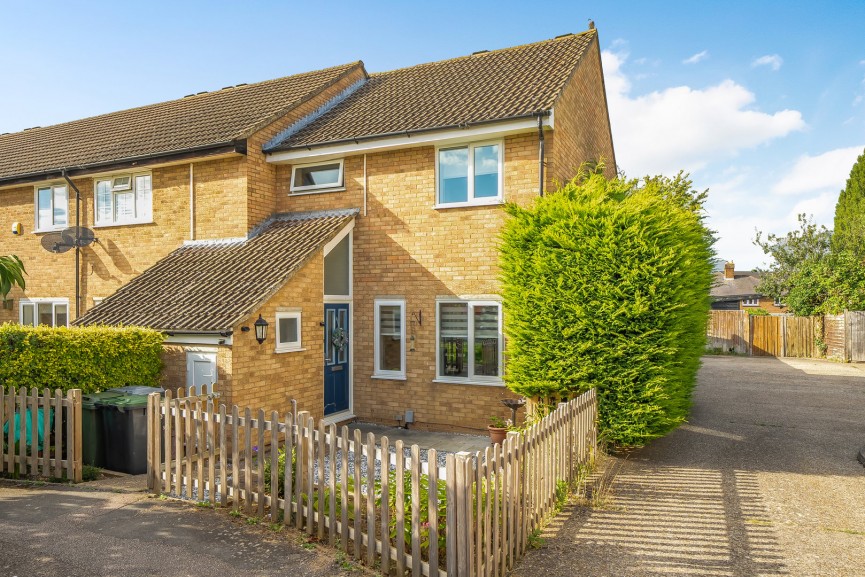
497 434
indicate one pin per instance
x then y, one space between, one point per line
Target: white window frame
471 379
35 302
339 185
751 302
291 346
378 372
52 186
114 189
472 201
778 303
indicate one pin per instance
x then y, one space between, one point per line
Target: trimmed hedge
88 358
606 284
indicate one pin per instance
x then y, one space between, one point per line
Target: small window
751 302
470 174
778 303
52 207
469 341
288 332
311 177
121 183
390 339
124 200
52 313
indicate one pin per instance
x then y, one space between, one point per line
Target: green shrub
757 312
88 358
606 284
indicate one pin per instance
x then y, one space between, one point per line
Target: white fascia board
191 339
444 137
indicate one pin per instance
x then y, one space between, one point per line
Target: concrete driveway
763 480
56 530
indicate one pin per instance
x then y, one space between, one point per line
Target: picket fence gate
399 522
22 415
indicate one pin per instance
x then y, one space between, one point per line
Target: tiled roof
212 285
502 84
743 284
212 118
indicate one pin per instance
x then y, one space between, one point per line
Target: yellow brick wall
263 195
262 378
582 131
767 304
404 248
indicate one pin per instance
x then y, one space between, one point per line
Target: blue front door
336 347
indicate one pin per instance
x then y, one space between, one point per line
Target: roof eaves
249 131
311 145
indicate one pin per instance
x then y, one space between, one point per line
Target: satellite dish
56 243
84 235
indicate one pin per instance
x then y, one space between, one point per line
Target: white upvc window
49 312
288 329
318 176
469 174
469 341
389 339
777 302
123 199
52 207
751 302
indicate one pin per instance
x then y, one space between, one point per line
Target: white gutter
410 140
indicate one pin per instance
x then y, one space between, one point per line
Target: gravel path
763 480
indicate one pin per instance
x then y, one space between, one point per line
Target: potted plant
498 429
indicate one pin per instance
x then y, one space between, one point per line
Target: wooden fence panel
40 433
727 331
494 499
854 325
766 336
799 333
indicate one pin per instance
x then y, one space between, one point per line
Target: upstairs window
52 313
52 207
317 177
470 174
124 199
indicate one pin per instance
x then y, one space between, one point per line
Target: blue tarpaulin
28 425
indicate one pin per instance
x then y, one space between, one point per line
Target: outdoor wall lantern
260 330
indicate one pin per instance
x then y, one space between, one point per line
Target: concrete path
57 530
450 442
763 480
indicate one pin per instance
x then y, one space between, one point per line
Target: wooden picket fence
60 416
492 500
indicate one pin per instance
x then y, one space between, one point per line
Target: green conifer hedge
606 284
88 358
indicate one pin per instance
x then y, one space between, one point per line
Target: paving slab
762 480
449 442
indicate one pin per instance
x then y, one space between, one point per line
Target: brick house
736 290
356 214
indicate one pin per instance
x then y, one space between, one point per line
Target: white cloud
698 57
685 128
773 61
826 171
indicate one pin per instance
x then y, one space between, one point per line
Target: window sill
320 191
388 377
448 381
127 223
291 350
489 202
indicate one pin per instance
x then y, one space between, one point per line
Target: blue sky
762 102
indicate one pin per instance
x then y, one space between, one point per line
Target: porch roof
210 286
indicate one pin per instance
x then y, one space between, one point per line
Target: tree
798 249
11 273
606 284
850 212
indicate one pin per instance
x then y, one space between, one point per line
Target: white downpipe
364 184
191 203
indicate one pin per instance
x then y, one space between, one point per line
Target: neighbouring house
736 290
356 215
